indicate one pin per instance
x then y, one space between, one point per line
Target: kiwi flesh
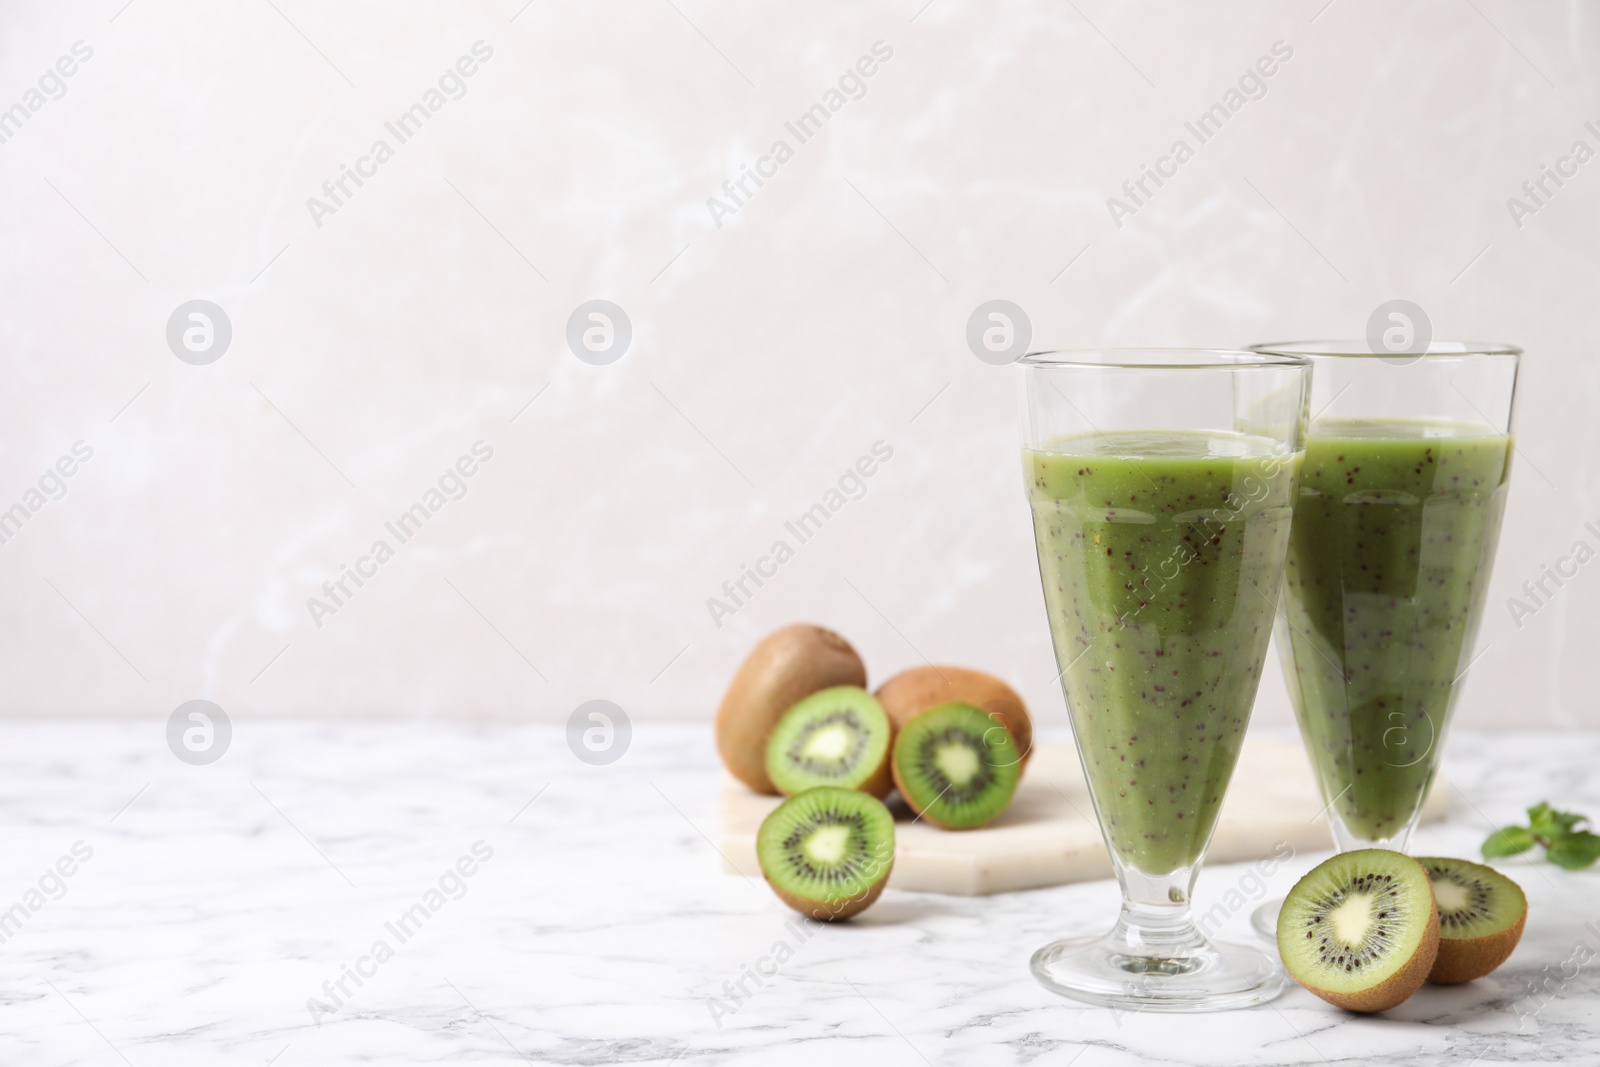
914 691
1481 913
839 736
827 852
1361 930
955 766
787 665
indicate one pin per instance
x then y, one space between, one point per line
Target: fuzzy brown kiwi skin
833 911
882 779
911 692
1469 959
786 666
1398 986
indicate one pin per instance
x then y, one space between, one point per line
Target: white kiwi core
958 763
1451 897
830 742
1352 919
827 845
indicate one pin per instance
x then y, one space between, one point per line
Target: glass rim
1348 349
1161 359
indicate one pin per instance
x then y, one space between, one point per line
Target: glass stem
1346 840
1156 927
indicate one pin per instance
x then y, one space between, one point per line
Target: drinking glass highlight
1161 484
1394 535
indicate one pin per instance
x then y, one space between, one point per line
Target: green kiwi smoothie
1394 532
1160 555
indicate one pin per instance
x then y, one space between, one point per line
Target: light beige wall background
827 314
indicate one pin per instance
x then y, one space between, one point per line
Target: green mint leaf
1576 851
1568 821
1507 842
1542 821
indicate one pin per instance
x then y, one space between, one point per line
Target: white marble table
600 929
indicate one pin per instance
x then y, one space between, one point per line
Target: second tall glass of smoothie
1161 485
1394 534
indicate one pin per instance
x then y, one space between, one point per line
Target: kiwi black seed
827 852
1361 930
1481 914
838 737
956 766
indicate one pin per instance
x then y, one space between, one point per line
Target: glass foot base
1265 920
1212 976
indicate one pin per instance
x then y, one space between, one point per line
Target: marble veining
218 906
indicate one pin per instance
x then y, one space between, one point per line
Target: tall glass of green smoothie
1394 534
1162 484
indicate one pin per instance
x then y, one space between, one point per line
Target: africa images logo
851 85
1251 85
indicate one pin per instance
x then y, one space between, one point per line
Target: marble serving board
1049 837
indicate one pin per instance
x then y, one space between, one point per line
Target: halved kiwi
955 766
917 689
787 665
827 852
837 737
1361 930
1481 913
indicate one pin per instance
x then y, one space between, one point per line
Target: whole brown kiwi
785 667
914 691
